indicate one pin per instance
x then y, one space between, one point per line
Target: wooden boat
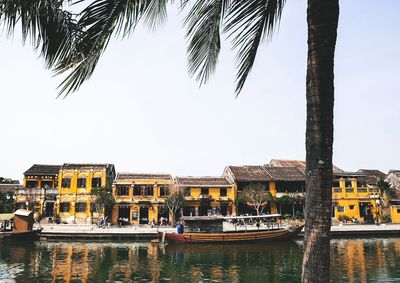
34 234
18 226
209 229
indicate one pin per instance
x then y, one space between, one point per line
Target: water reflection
353 260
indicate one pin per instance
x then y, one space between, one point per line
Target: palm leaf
248 23
100 21
203 33
48 26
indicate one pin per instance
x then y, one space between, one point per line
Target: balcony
349 190
52 191
31 191
204 197
293 195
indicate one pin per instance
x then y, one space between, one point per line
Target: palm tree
75 42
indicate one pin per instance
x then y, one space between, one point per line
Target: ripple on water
352 260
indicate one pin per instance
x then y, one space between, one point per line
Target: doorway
144 215
164 213
49 209
123 213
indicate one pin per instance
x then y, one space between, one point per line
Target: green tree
75 42
174 201
103 201
7 202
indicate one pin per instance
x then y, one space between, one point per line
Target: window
96 182
46 184
148 191
340 208
223 192
66 183
81 182
163 191
137 191
398 210
123 191
64 207
204 191
80 207
31 184
187 192
351 207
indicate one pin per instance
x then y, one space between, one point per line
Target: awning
6 216
23 212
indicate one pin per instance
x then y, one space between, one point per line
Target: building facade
75 182
286 186
140 198
394 204
353 197
207 196
39 190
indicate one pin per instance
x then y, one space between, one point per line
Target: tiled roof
300 164
40 169
285 173
6 188
202 181
373 175
143 176
250 173
80 165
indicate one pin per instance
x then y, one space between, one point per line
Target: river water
353 260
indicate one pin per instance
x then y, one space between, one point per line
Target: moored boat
209 229
18 226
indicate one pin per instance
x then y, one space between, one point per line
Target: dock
365 230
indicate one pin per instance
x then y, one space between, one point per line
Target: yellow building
74 186
140 197
394 206
206 196
39 190
353 197
279 181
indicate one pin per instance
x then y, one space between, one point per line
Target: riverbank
76 231
365 230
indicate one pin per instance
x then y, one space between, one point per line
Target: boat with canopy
211 229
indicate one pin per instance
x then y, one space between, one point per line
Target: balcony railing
204 197
349 190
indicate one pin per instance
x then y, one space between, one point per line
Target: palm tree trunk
322 19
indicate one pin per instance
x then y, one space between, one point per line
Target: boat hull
232 237
21 235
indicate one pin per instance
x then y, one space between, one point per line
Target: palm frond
99 22
203 33
46 24
248 23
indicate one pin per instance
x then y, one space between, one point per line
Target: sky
142 112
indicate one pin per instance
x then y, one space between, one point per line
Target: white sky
142 112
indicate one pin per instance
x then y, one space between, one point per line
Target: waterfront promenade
76 231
